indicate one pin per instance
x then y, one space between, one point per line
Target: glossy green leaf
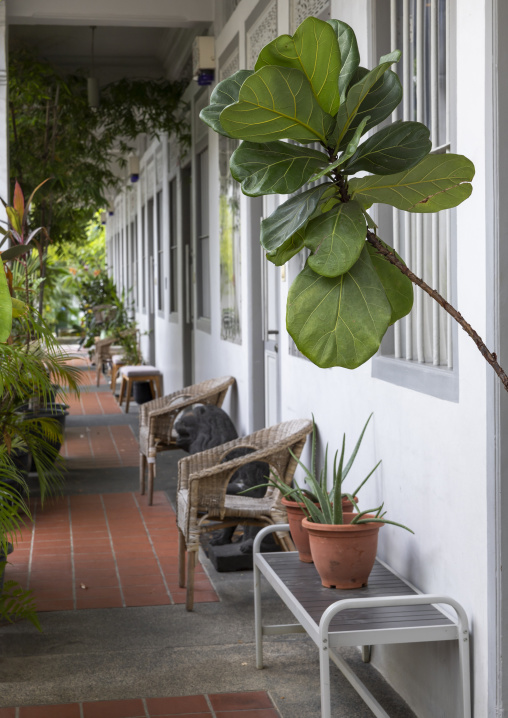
19 308
338 321
336 239
437 182
270 167
398 287
290 216
224 94
286 251
379 103
5 307
349 54
395 148
17 250
349 152
357 93
276 103
314 50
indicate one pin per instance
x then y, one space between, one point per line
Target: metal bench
388 610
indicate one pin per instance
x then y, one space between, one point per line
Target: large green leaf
338 321
398 287
395 148
269 167
379 103
290 216
357 94
349 152
314 50
276 103
5 306
224 94
336 239
286 251
349 54
437 182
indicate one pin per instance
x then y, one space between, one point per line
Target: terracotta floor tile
114 709
53 711
7 713
176 706
240 701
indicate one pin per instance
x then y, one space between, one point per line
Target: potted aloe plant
343 544
293 497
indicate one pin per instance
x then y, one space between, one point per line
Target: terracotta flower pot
298 533
343 555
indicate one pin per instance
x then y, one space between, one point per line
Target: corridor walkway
117 641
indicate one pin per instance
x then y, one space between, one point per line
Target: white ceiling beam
119 13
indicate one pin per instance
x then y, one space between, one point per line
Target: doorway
186 246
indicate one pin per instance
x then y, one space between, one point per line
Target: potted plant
293 496
343 544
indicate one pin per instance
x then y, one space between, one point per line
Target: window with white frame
144 258
421 30
134 255
160 254
173 249
203 238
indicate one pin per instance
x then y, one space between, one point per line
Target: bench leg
258 621
122 391
129 392
465 672
142 473
324 676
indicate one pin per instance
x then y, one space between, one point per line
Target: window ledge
440 382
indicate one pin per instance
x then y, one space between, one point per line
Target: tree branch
489 357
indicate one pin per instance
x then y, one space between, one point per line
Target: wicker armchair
202 501
102 354
157 418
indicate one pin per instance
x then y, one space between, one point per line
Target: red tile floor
253 704
103 551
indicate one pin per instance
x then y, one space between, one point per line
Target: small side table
132 374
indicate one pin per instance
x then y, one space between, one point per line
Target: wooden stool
116 363
131 374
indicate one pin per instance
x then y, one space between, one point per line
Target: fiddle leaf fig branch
310 88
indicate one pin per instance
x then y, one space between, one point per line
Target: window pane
203 248
173 249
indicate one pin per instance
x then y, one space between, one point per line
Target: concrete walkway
109 654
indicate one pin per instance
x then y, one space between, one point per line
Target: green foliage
17 604
310 87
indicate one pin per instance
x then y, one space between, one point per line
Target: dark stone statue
206 426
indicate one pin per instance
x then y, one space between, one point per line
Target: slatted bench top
302 581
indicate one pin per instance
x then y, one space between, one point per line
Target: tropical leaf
398 287
314 50
336 239
379 103
270 167
276 103
286 251
349 54
19 308
350 150
224 94
290 216
437 182
395 148
17 250
338 321
5 307
358 92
